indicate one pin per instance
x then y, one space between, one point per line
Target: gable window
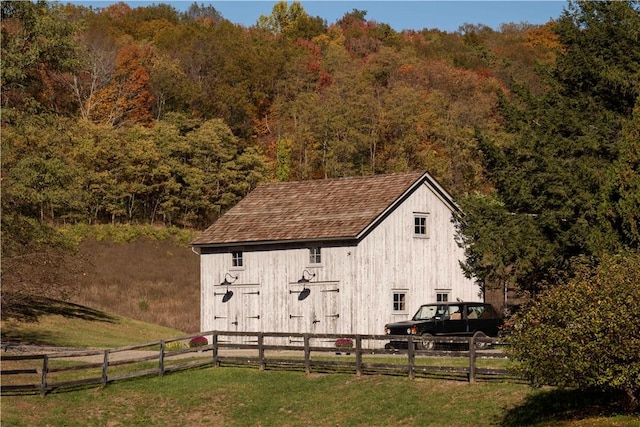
237 260
420 225
442 296
315 255
399 301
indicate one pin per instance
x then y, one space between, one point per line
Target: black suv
447 319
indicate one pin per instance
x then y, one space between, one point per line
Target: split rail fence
44 373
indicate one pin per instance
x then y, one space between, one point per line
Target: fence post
307 354
472 359
358 355
411 357
214 342
261 351
45 369
105 365
161 359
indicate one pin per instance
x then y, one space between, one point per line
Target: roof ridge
344 178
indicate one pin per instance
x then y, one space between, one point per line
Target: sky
445 15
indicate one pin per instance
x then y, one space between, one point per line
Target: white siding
352 291
275 275
391 258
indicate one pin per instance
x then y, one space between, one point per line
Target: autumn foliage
148 115
128 97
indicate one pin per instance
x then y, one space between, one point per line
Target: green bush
585 333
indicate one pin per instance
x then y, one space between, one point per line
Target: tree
128 98
291 21
169 85
205 14
212 160
585 333
39 185
602 57
505 263
38 43
40 177
98 53
554 164
623 189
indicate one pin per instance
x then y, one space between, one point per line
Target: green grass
249 397
230 396
70 326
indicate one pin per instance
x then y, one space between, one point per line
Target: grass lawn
70 325
230 396
249 397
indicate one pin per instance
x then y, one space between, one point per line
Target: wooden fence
43 373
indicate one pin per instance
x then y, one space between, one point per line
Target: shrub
198 341
585 333
344 343
176 346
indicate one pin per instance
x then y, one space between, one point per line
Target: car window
480 312
455 313
475 311
425 312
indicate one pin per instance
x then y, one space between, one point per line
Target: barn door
249 315
237 310
314 310
223 311
324 314
297 306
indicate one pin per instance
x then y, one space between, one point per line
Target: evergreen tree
556 167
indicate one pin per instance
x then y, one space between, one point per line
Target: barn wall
392 259
352 291
267 286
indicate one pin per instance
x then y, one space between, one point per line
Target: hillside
69 325
154 280
148 280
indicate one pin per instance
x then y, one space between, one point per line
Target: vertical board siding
388 258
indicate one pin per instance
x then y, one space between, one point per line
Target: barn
337 256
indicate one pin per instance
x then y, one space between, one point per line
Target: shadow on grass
554 406
14 337
30 309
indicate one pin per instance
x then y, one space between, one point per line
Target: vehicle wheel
480 345
426 345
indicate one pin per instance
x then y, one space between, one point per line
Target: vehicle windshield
429 312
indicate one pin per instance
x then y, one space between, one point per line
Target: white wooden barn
341 255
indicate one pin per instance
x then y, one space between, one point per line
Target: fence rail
43 373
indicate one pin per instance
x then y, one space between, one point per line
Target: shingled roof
329 209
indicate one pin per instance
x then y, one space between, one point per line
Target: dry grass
152 281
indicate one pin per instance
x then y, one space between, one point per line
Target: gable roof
316 210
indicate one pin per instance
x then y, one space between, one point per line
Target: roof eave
275 242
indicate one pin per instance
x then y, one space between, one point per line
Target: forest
147 115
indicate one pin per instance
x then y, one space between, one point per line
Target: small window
442 296
399 301
315 256
420 225
236 259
